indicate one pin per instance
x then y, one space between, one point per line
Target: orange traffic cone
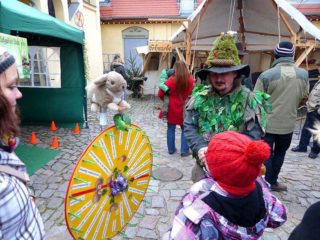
53 126
33 140
76 129
55 143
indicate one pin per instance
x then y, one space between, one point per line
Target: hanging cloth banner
18 47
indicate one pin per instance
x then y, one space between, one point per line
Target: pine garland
218 114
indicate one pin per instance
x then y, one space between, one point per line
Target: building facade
85 15
127 25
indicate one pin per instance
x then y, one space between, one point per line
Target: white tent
260 25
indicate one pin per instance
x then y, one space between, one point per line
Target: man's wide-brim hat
243 69
224 58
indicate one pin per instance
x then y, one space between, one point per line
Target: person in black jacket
117 65
309 226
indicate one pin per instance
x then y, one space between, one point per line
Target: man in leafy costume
224 104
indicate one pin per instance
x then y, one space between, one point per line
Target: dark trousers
279 144
306 134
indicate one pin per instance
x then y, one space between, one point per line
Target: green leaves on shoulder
200 93
259 100
201 89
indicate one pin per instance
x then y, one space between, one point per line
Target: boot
278 187
313 155
298 149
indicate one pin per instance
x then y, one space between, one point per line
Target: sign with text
18 47
160 46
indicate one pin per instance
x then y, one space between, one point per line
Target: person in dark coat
309 226
117 65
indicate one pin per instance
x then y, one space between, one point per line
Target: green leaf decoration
120 123
259 99
126 119
104 191
125 168
224 47
218 114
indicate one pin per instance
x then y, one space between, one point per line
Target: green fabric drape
42 105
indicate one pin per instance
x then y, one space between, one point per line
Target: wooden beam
204 9
146 63
180 55
179 45
284 20
185 24
188 48
209 36
164 61
307 44
266 34
303 55
241 23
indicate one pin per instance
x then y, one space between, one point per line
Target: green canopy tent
42 105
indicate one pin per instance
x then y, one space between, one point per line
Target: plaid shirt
196 220
19 216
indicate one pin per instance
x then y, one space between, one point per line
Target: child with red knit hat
234 203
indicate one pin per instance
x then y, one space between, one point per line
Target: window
45 70
186 7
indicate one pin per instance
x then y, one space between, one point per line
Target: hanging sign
79 19
160 46
18 47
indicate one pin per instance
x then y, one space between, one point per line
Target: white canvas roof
260 21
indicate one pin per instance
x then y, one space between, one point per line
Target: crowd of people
236 135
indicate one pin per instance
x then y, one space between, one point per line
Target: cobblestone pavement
299 172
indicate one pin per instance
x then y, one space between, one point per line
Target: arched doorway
134 37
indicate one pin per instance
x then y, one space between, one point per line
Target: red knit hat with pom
234 161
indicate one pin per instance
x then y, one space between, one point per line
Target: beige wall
111 34
61 10
112 42
92 31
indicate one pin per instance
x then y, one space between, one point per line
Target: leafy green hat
224 58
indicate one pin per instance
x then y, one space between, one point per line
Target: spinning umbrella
108 183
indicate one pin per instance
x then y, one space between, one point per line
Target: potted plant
135 77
